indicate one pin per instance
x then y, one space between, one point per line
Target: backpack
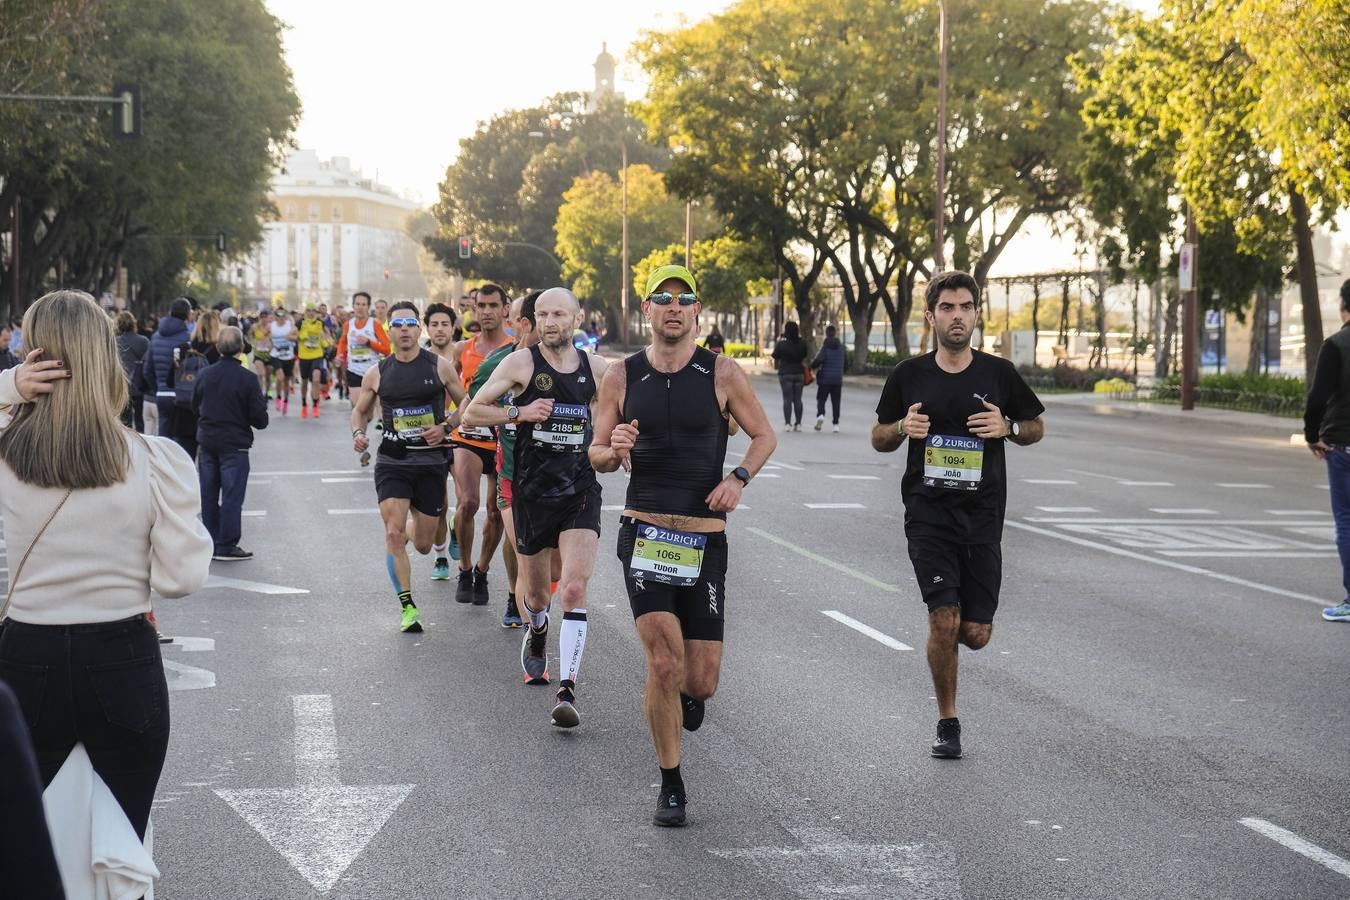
189 365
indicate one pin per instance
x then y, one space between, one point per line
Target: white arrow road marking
1298 845
182 677
830 863
194 644
321 825
254 587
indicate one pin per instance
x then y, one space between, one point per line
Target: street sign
1186 268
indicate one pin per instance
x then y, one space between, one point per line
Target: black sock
671 780
405 597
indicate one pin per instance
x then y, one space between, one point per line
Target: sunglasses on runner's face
404 323
665 297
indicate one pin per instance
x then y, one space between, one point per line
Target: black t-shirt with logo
955 485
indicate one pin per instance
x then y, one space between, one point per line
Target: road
1159 673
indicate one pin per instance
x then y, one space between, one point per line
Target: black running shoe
480 591
948 743
565 712
693 712
670 809
464 589
511 618
533 654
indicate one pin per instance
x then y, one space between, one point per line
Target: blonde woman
95 517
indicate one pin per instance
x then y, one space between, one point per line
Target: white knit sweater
108 547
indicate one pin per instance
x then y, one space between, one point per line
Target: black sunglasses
663 298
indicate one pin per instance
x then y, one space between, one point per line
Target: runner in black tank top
411 387
555 496
665 416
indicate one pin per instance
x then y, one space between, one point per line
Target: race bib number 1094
953 462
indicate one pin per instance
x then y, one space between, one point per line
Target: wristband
357 431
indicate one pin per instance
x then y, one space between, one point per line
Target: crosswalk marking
834 506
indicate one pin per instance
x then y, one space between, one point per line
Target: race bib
666 556
564 431
282 349
951 462
411 421
311 343
483 433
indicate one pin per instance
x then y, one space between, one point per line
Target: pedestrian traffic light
126 112
465 247
220 242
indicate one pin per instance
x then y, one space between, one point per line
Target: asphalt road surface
1161 711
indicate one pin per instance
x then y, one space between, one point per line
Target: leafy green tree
590 226
726 266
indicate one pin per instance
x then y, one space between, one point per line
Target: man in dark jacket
229 405
1326 427
131 348
829 364
171 335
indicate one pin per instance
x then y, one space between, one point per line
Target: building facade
337 232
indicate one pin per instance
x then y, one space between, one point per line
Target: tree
590 225
725 266
219 109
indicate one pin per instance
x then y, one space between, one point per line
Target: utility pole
623 298
688 233
939 213
1186 281
14 291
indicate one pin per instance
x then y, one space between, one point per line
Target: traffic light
465 247
126 112
220 242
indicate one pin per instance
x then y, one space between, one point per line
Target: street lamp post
623 177
939 213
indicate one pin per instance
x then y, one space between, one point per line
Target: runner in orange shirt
363 344
475 452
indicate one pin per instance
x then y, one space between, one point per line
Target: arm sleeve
1325 379
180 548
892 406
381 342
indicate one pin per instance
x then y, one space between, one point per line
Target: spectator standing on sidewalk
101 517
829 364
1326 428
228 404
132 347
789 357
8 358
714 341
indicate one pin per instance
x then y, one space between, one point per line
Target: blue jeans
224 476
1338 476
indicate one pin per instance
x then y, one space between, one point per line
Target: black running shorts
487 457
423 485
700 607
539 524
951 573
285 366
309 366
353 379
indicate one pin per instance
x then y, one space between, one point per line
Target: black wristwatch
741 475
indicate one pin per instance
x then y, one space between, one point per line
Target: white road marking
826 561
1066 509
363 511
1288 839
834 506
768 475
182 677
253 587
1272 554
1191 536
1182 511
1206 522
194 644
352 480
856 477
868 630
255 513
615 507
308 472
1241 484
1147 484
1048 481
251 482
1298 512
829 863
321 825
1166 563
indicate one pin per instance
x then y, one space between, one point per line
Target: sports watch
512 413
741 475
1014 428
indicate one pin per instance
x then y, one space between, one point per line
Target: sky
395 85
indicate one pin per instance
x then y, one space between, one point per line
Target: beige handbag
14 578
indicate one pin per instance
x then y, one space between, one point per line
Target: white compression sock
571 643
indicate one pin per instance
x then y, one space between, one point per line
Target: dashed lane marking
1182 512
1146 484
1048 481
1066 509
253 587
307 472
868 630
1298 512
856 477
1242 485
253 512
834 506
1166 563
825 561
350 480
1288 839
363 511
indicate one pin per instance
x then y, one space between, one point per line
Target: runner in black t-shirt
957 406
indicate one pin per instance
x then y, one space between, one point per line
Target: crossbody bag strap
14 579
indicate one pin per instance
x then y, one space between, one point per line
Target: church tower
604 77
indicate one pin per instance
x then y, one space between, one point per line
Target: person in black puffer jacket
131 349
172 335
789 355
829 364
